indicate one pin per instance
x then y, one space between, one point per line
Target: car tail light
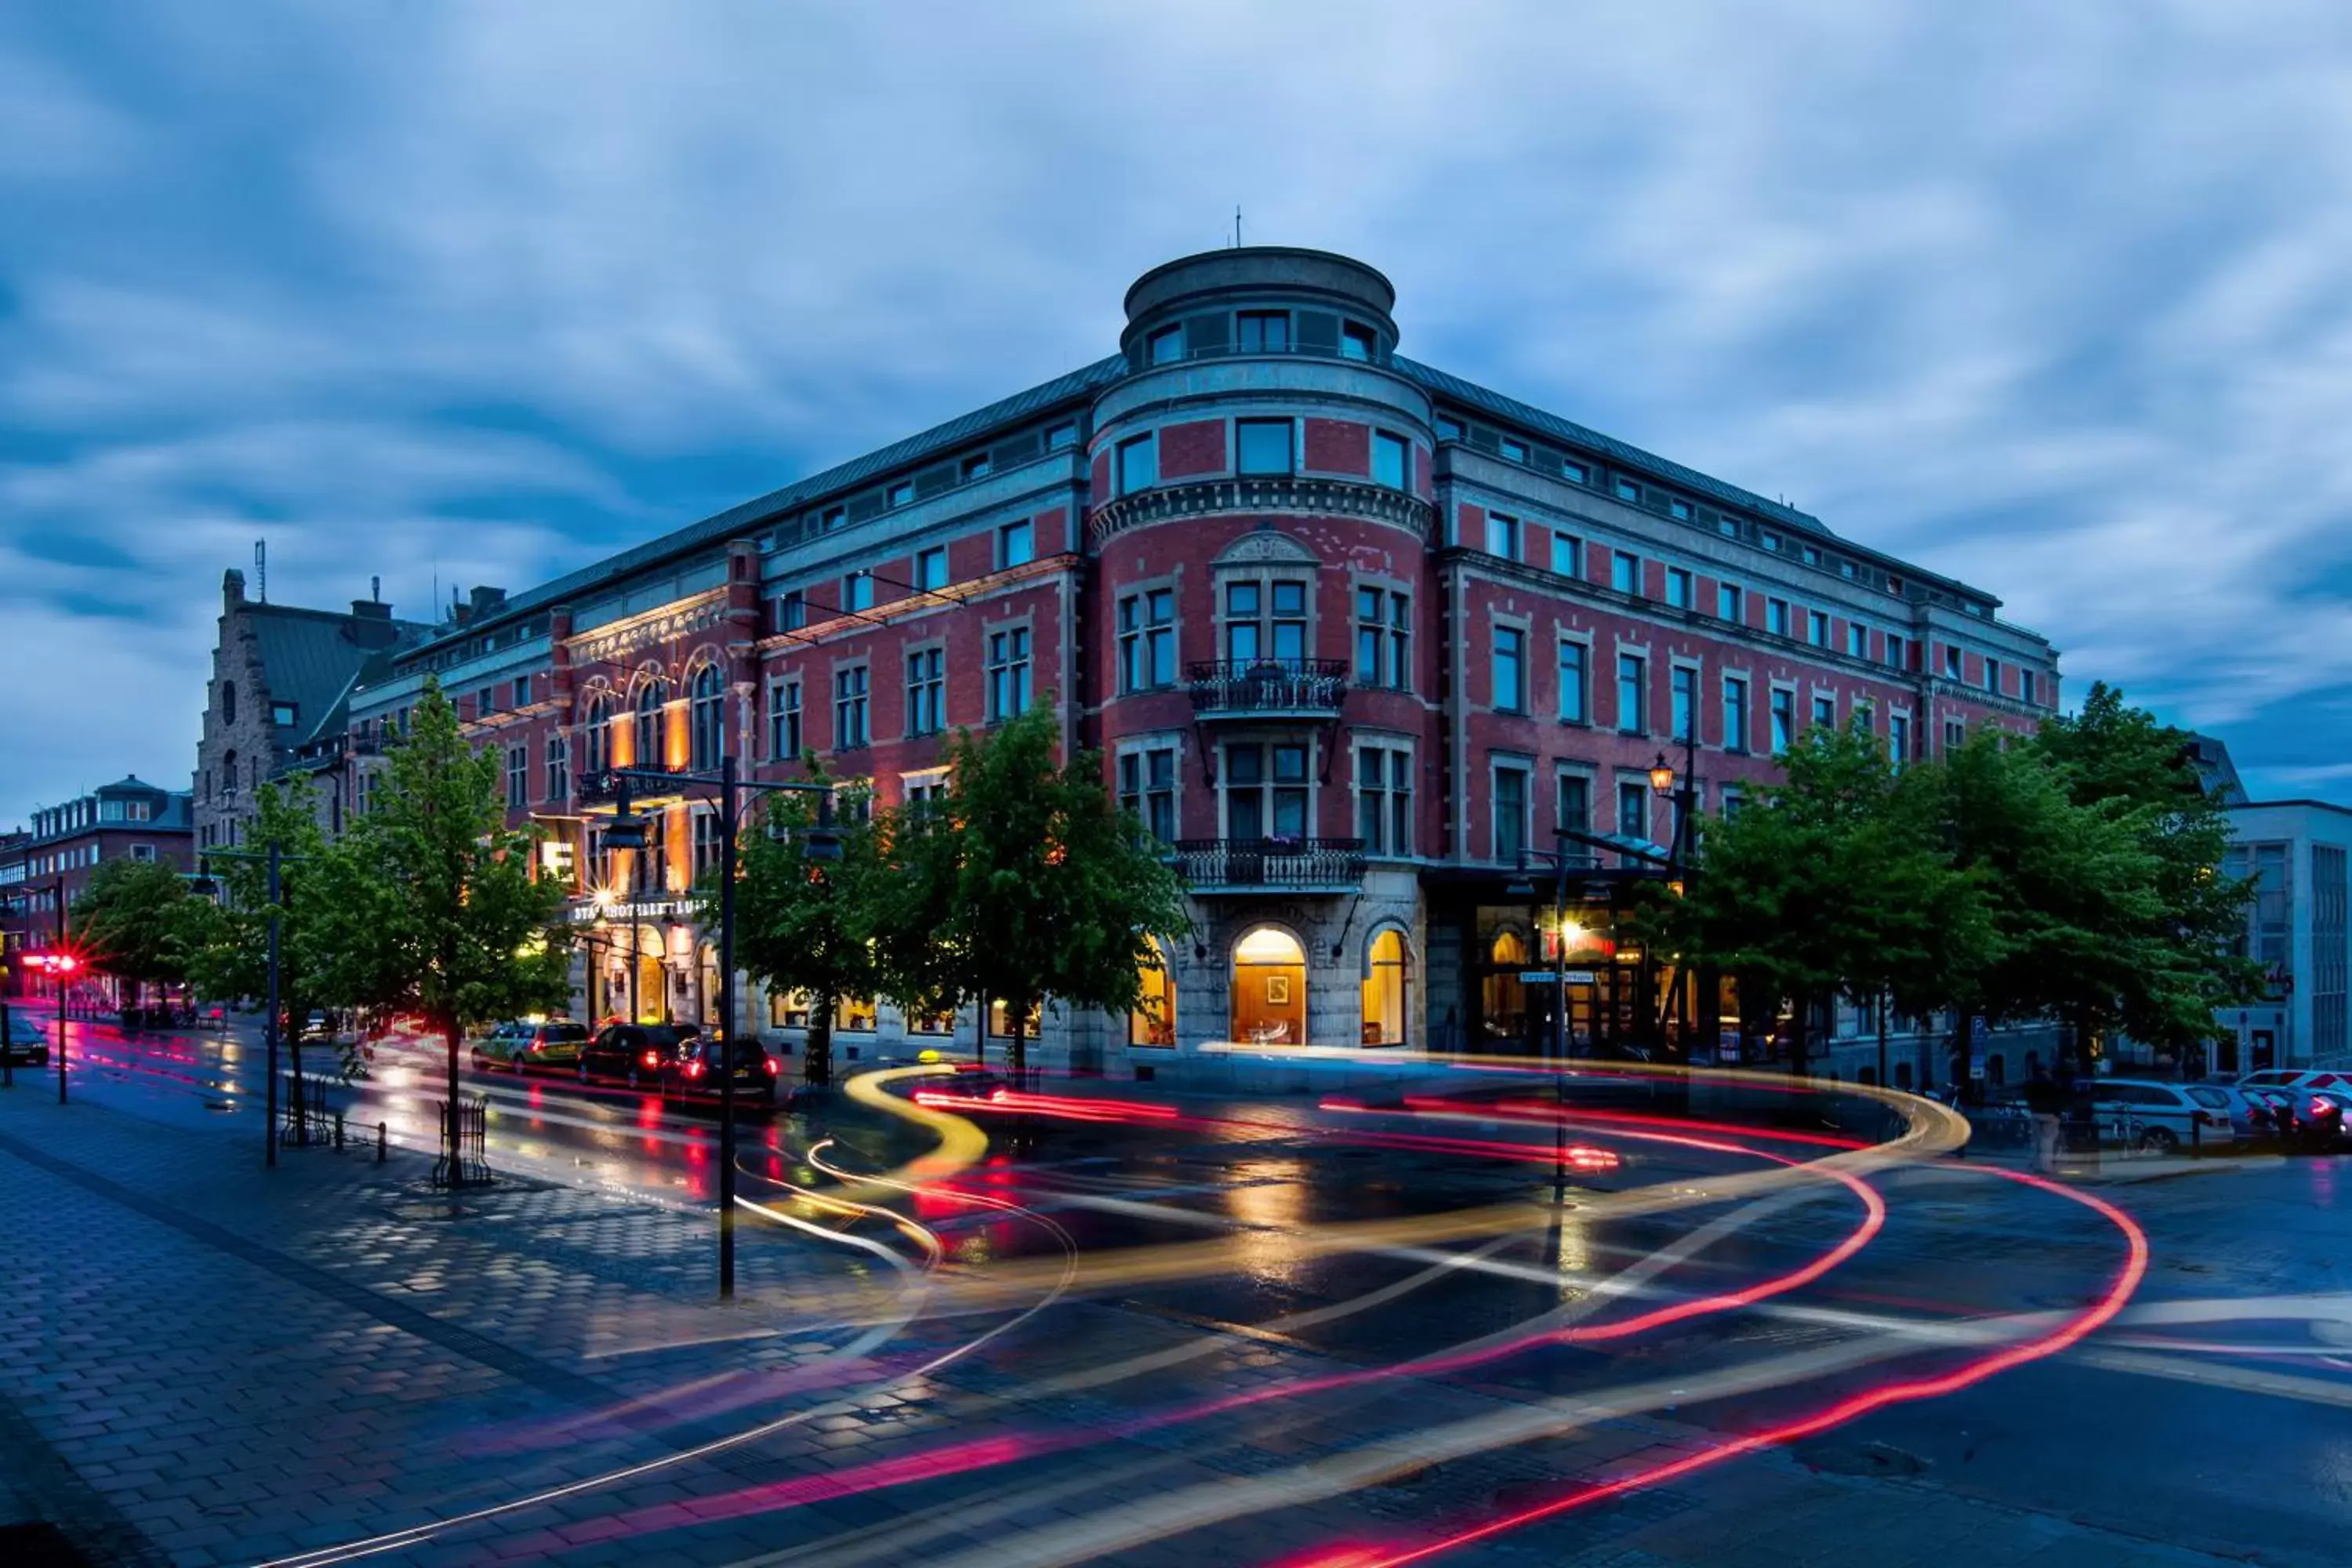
653 1058
694 1069
2317 1108
769 1063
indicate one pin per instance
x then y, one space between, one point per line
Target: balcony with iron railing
1270 865
1267 688
603 787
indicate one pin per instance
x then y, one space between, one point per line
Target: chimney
489 602
232 589
370 623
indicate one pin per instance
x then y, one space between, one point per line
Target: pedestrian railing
303 1119
464 1159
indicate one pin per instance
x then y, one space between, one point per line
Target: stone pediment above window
1265 547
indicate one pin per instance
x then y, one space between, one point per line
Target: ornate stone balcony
1266 493
1267 688
1212 866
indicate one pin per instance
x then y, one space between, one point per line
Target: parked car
2305 1118
549 1047
28 1047
2296 1077
631 1053
2171 1115
692 1070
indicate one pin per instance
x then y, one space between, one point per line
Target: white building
2295 851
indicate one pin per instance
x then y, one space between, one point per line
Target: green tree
429 904
227 943
1028 886
128 918
2163 932
803 923
1831 882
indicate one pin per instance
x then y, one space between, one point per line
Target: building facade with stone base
1387 659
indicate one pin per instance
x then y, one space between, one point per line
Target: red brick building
44 869
1355 636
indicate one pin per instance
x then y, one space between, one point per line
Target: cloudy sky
480 292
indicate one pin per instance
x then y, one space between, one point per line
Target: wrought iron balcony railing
1284 865
603 787
1268 685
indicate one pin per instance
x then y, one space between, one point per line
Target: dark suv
632 1054
692 1071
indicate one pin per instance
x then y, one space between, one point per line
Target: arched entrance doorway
1504 995
1153 1021
1269 1006
1387 984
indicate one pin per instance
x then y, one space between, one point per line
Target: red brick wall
1197 447
1339 447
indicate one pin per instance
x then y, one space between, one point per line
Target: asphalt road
1866 1330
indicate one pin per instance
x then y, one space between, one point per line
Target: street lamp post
628 832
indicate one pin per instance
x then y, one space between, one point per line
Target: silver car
2169 1115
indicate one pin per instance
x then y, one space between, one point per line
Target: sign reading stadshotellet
647 909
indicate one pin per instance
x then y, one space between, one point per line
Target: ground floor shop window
788 1009
855 1015
1153 1021
1269 994
1000 1022
1385 989
1505 998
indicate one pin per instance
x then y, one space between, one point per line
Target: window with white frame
1265 619
1503 535
1139 465
1897 650
1147 639
850 696
1383 639
1510 810
1632 681
706 719
1384 798
924 791
926 692
1898 740
1857 640
1728 603
1264 445
1634 807
1016 544
1776 617
1008 673
1824 712
1679 588
1567 555
1147 786
1264 789
1817 628
785 721
1511 670
706 842
1575 681
1574 806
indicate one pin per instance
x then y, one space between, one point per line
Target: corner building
1354 635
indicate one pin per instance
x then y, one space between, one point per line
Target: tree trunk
1801 1020
816 1056
450 1031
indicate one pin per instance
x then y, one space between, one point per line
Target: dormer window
1515 451
976 467
1358 343
1165 346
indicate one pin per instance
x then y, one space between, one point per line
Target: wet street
1325 1328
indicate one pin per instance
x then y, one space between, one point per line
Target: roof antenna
375 590
261 568
1237 226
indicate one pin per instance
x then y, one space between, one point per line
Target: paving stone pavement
217 1364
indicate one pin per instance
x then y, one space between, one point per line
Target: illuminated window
1153 1021
1269 989
1385 989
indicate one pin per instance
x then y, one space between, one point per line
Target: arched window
652 698
1385 988
707 726
1269 1006
1153 1021
228 773
1504 994
597 753
228 701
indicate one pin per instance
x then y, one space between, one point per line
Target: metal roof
763 509
1472 394
308 658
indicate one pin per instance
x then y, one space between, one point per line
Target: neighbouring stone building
1366 644
278 703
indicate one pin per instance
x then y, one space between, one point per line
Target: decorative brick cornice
1279 493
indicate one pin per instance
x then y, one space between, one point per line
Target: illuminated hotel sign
613 643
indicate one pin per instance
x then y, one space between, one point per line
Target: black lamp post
628 831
